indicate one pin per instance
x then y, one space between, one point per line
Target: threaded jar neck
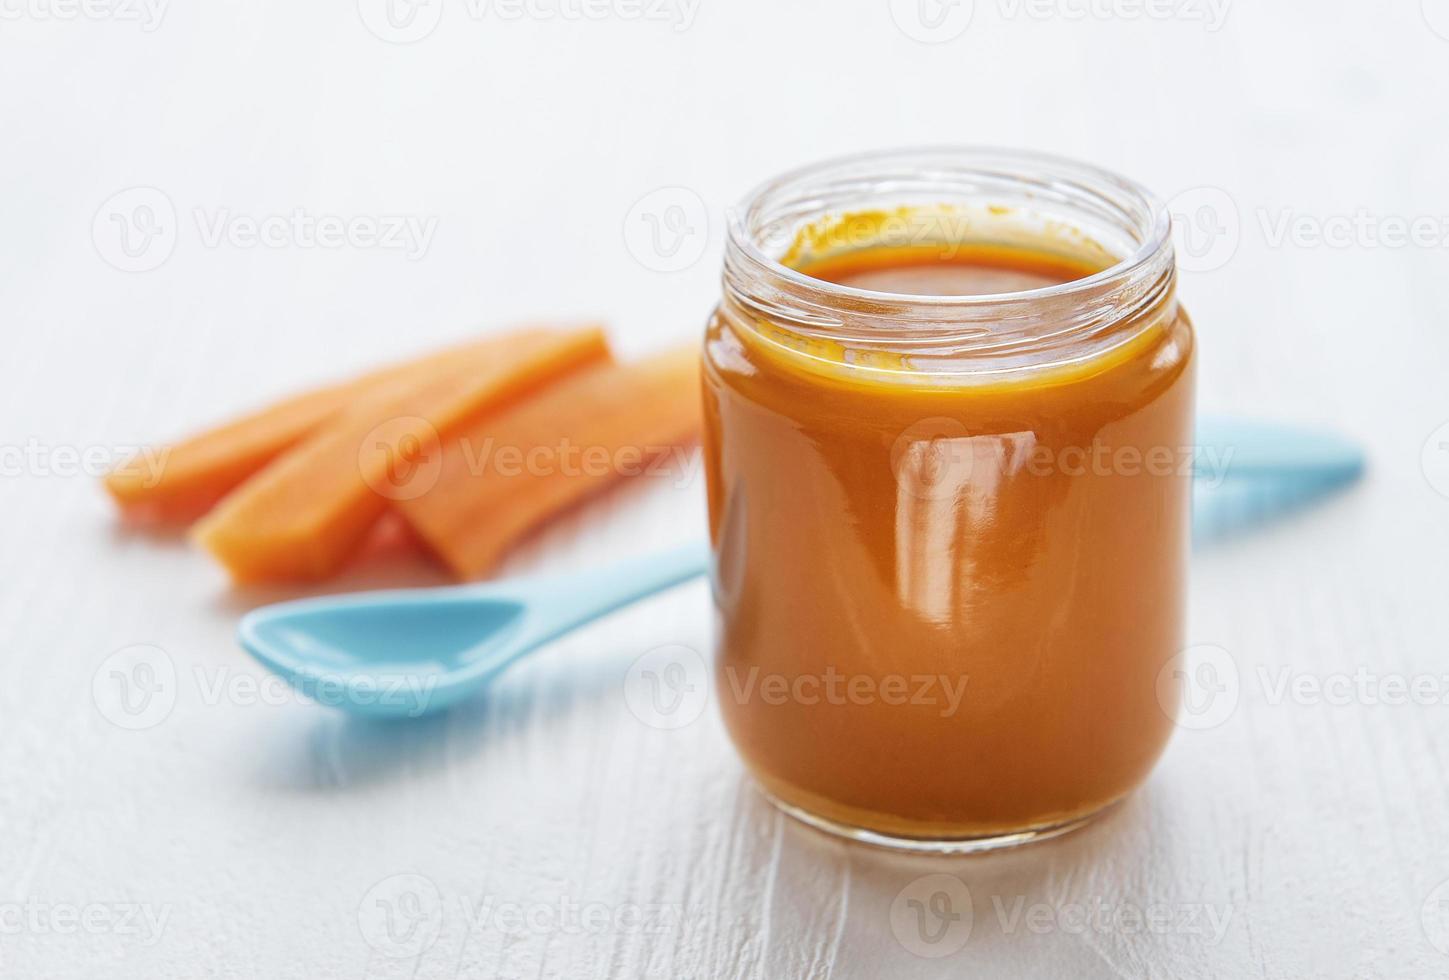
944 198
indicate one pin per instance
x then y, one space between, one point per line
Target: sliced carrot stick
180 481
508 471
303 515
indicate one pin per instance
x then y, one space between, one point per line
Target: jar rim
1153 229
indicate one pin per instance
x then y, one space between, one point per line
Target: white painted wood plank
262 832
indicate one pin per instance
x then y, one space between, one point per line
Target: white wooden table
223 828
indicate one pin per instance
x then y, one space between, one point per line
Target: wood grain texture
267 836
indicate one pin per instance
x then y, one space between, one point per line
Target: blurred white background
511 162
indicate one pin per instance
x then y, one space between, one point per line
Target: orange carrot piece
181 481
302 516
507 472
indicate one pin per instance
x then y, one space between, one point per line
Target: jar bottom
936 841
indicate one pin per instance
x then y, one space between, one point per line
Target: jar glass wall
950 529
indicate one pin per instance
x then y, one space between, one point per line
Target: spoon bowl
411 652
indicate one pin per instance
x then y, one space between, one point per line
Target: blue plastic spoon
410 652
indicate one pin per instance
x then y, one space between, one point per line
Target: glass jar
950 531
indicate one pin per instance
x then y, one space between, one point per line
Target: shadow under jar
948 416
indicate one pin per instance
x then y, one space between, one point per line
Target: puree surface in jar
968 581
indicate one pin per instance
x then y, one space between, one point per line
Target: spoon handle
562 602
1229 448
